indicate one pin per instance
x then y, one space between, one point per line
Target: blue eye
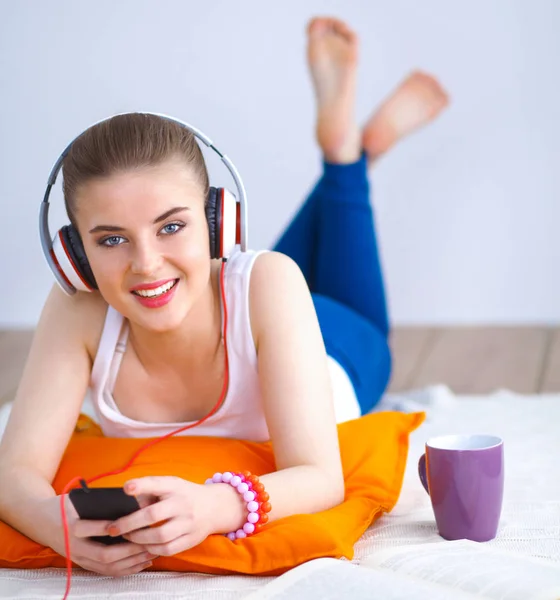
113 240
172 228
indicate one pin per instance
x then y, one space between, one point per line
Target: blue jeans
332 239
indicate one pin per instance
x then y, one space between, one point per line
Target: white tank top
241 415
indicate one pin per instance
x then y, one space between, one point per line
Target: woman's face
143 228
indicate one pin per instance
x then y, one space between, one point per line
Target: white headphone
226 216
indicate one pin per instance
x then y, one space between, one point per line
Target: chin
160 320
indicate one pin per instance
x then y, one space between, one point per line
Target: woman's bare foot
416 102
332 54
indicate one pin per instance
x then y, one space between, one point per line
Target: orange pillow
373 448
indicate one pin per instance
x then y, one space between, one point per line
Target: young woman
306 335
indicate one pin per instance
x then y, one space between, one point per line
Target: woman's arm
45 410
297 397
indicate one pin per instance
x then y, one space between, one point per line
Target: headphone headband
46 239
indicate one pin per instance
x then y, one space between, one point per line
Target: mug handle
422 472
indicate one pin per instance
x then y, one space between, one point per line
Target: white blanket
530 522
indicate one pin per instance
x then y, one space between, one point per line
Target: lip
151 286
160 300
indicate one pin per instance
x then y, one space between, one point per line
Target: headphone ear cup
222 216
214 219
228 233
79 273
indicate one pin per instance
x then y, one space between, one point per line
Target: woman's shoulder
277 285
271 264
85 312
261 263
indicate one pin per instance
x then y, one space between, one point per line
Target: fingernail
113 530
130 487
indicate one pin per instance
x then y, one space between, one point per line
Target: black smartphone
107 504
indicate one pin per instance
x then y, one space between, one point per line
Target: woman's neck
196 341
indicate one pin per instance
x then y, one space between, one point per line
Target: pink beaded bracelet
254 494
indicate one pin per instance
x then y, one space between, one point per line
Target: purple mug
464 477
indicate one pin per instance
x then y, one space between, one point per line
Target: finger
83 528
137 568
154 485
146 499
104 554
132 561
162 534
120 568
180 544
154 513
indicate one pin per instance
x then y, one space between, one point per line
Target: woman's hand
176 514
116 561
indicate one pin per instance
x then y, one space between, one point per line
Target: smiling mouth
162 289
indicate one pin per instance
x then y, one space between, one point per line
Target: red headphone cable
148 445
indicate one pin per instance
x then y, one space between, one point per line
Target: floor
477 360
470 360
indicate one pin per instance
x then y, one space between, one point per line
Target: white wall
467 210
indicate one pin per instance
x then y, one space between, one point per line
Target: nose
146 258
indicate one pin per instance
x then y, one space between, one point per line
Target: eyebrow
162 217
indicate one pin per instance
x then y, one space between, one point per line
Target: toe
318 25
427 79
342 29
